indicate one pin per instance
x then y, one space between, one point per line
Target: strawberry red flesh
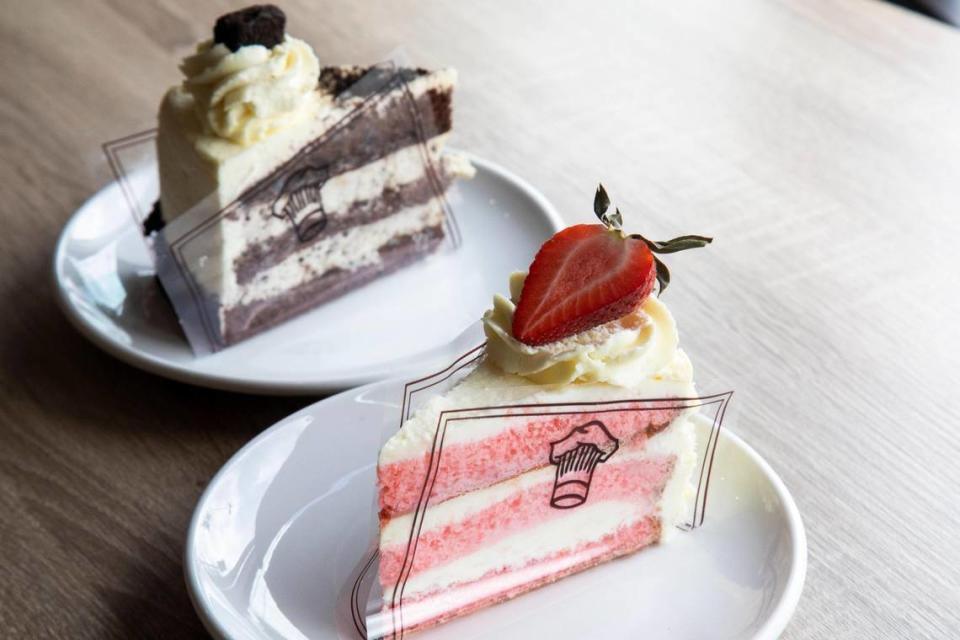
582 277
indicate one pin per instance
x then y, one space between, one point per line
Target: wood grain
816 140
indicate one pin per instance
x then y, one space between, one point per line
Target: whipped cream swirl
622 352
249 94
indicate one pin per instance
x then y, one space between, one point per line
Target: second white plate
279 531
104 277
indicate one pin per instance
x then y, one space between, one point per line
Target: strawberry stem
601 206
614 222
680 243
663 276
601 201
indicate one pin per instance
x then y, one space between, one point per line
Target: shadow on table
60 369
107 463
944 10
159 608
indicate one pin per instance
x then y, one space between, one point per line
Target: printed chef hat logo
300 201
576 456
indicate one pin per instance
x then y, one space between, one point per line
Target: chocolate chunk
153 222
260 24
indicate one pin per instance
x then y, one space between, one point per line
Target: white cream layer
348 250
489 386
399 169
580 525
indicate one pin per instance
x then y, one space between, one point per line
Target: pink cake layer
639 481
621 542
522 446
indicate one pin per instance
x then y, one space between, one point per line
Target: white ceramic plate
280 530
104 277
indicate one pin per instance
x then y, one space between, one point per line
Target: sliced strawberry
582 277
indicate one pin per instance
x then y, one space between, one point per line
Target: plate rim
185 374
771 629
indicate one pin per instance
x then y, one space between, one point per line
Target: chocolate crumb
154 221
258 24
336 80
361 82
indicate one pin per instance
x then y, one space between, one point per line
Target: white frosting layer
583 524
397 530
677 502
349 250
247 95
619 352
489 386
338 194
586 523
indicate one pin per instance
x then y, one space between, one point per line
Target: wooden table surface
817 140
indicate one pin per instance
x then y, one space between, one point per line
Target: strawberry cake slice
570 443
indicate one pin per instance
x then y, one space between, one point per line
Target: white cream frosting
640 345
247 95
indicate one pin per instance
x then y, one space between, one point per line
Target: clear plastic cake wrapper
266 235
501 487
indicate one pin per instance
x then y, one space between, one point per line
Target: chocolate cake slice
284 185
